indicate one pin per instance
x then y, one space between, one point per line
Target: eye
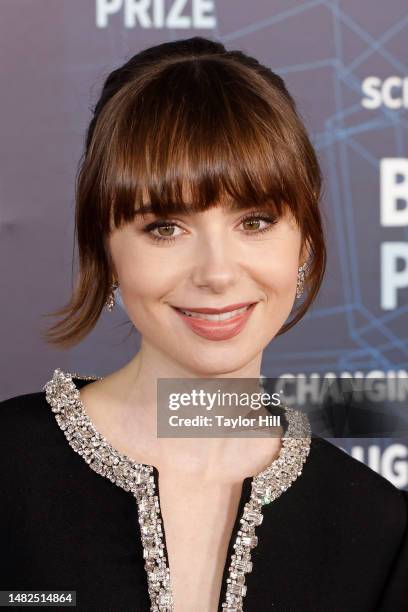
163 230
253 220
166 229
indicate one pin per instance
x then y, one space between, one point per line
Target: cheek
140 276
138 283
140 290
286 280
286 267
279 276
277 265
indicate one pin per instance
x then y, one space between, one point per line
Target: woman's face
214 259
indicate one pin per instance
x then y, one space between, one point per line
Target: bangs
181 127
199 133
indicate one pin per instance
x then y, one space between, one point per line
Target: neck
135 385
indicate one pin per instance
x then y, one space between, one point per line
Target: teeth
215 317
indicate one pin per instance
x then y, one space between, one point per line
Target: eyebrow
177 209
145 208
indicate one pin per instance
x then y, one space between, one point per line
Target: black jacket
335 540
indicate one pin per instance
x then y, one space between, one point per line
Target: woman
198 195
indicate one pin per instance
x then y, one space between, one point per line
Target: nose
216 264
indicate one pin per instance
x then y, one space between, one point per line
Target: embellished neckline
139 479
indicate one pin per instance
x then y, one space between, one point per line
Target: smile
215 317
218 325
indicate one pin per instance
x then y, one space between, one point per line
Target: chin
209 363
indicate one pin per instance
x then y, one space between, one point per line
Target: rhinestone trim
267 486
138 479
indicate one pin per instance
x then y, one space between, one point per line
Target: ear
304 252
114 276
115 279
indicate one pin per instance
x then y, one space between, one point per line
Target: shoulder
27 408
28 435
357 491
31 434
357 517
33 410
28 428
343 472
27 417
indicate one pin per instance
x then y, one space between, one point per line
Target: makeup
216 327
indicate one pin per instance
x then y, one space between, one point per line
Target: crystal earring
110 302
302 270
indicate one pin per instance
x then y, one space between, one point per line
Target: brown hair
188 113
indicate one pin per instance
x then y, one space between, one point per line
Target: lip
215 310
217 330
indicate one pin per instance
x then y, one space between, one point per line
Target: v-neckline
142 481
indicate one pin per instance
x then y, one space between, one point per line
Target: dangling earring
302 270
110 302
